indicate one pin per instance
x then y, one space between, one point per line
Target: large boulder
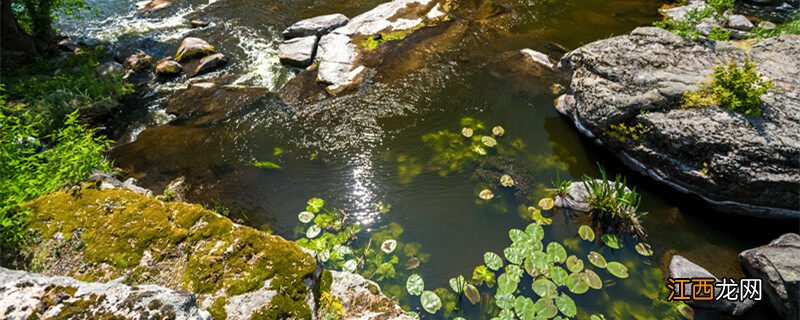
33 296
680 267
315 26
192 48
778 266
210 63
626 93
298 52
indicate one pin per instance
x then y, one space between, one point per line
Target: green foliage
623 132
370 43
613 205
791 26
32 164
719 34
35 16
735 88
76 87
266 165
685 27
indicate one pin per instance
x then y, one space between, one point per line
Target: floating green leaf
488 141
525 308
566 305
482 275
506 314
559 275
315 205
305 217
612 240
504 300
597 259
535 231
599 317
545 308
536 216
514 255
546 203
493 261
506 181
388 246
266 165
556 252
313 231
466 132
574 264
458 283
472 294
350 266
644 249
486 194
514 271
415 284
430 301
412 263
544 288
517 235
592 279
498 131
586 233
617 269
541 260
576 283
507 283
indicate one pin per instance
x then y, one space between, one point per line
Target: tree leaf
493 261
415 285
586 233
430 301
612 240
617 269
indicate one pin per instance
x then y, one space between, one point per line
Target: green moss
217 309
119 226
622 132
330 307
282 307
370 43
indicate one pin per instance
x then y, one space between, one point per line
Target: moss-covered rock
99 235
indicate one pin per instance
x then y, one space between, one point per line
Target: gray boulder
740 22
680 267
33 296
778 266
743 164
210 63
316 26
298 52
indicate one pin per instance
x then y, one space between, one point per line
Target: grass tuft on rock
738 89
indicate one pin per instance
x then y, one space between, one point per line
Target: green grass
732 87
791 26
611 199
685 27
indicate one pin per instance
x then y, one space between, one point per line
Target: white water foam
261 66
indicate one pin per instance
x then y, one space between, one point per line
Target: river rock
739 22
107 68
168 68
316 26
777 264
298 52
210 63
138 61
680 267
33 296
362 298
197 23
743 164
680 12
192 48
148 6
538 57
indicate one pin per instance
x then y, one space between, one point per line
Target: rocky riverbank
626 92
108 249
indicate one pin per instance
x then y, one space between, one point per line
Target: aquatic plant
738 89
266 165
612 204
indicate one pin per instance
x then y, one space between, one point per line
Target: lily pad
504 300
574 264
458 283
486 194
612 240
556 252
388 246
544 288
586 233
412 263
536 216
493 261
546 203
592 279
313 231
507 283
430 301
566 305
472 294
617 269
350 266
488 141
525 308
517 235
597 259
415 285
541 260
559 275
536 231
546 308
498 131
514 255
466 132
315 204
305 217
506 181
644 249
577 284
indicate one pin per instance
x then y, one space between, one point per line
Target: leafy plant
791 26
735 88
612 204
687 25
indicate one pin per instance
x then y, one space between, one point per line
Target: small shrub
791 26
686 26
612 204
623 132
735 88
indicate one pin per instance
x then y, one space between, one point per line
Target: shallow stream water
348 150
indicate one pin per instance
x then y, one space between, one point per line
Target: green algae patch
172 244
372 42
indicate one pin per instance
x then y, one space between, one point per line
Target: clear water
345 150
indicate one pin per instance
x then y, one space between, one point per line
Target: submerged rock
777 264
33 296
168 68
538 57
193 48
210 63
680 267
298 52
626 93
316 26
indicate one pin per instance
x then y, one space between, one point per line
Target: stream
357 151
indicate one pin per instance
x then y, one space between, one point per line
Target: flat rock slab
315 26
743 164
298 52
778 266
680 267
34 296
